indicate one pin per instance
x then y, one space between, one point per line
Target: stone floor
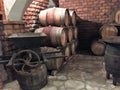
82 72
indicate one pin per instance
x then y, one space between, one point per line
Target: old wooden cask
73 46
69 34
75 32
98 47
43 18
73 17
66 51
108 30
116 16
54 16
53 56
56 35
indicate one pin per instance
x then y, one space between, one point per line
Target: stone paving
82 72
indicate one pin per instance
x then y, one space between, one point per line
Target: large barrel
55 16
73 17
66 51
73 48
75 32
43 17
54 63
56 35
69 35
98 47
34 80
108 30
117 16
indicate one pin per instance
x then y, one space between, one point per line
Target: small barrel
34 80
56 35
108 30
117 17
98 47
54 63
69 35
55 16
73 17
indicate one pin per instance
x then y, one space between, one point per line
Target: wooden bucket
56 35
73 17
108 30
55 16
98 47
34 80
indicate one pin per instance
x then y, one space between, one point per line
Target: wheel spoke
24 60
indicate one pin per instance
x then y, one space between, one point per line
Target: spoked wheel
25 60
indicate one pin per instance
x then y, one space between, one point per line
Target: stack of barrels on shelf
8 28
106 31
31 14
59 26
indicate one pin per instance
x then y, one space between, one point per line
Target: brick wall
92 10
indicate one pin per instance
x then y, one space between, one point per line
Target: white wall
8 5
15 9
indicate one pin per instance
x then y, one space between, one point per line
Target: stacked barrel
59 26
106 31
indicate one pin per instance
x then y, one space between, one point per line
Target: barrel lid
112 40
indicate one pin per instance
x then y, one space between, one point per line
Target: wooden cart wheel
25 60
108 75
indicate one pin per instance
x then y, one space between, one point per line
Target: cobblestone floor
82 72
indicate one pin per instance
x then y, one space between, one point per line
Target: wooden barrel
34 80
117 16
56 35
69 35
73 48
73 17
52 63
55 16
43 17
98 47
66 51
75 32
108 30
